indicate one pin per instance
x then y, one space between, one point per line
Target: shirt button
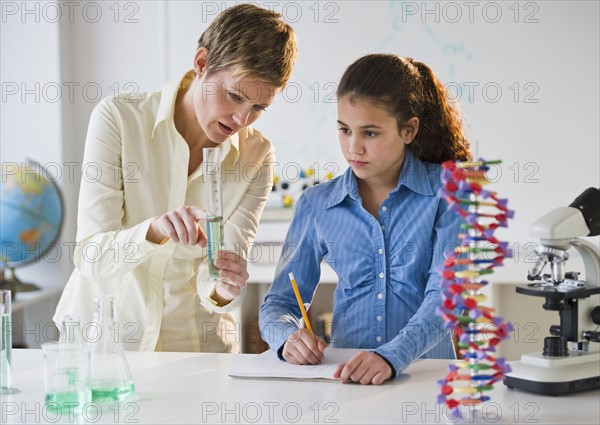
380 296
381 275
380 250
384 208
379 318
378 339
383 227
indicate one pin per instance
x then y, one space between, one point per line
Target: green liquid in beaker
66 401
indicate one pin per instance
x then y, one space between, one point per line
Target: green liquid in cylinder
5 352
214 230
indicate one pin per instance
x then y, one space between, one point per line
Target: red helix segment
478 330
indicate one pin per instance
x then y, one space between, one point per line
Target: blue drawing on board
455 50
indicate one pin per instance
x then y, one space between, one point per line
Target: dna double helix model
463 309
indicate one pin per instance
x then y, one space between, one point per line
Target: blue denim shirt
387 268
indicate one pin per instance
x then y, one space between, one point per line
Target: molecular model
463 309
285 193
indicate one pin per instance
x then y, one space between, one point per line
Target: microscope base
542 375
553 388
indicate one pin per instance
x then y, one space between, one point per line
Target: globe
31 216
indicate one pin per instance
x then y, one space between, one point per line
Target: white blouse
135 168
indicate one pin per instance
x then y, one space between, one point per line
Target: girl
380 226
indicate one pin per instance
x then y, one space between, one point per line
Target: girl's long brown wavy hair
407 88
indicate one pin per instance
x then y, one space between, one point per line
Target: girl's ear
409 130
200 60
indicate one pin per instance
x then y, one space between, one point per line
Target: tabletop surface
185 388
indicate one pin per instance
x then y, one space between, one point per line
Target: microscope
570 360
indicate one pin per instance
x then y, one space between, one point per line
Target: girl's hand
302 347
180 225
364 368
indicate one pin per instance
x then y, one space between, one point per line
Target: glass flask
110 377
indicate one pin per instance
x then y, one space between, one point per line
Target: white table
173 388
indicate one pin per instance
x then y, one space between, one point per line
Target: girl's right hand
180 225
302 347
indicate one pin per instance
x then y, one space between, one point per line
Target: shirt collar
413 176
228 147
168 96
231 146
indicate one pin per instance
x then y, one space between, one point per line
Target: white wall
544 59
109 49
30 108
69 55
525 73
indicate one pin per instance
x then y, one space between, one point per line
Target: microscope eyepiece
589 205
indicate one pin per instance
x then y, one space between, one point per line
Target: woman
140 229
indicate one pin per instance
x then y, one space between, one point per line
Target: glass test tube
211 164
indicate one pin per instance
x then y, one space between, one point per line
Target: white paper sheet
268 366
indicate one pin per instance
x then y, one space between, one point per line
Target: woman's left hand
234 270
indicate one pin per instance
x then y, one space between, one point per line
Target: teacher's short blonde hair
253 42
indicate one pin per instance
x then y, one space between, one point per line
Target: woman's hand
365 368
234 271
302 347
180 225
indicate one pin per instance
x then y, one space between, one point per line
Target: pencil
300 303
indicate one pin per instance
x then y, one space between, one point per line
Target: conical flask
110 375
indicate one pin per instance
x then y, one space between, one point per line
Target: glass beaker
70 332
110 377
6 343
66 377
212 178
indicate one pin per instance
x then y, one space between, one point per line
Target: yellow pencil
300 303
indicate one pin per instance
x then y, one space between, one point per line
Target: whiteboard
526 75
